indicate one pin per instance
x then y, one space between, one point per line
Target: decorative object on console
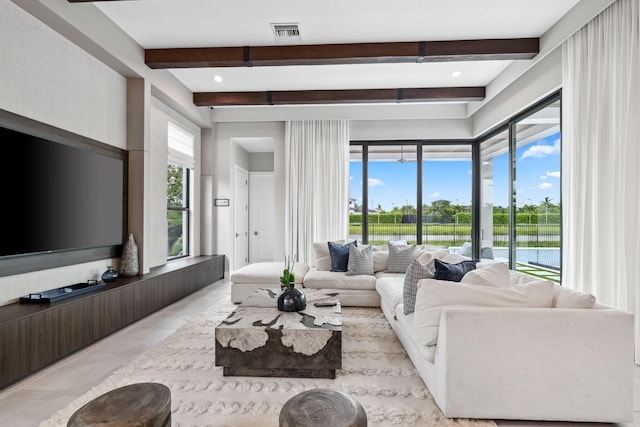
57 294
110 275
129 260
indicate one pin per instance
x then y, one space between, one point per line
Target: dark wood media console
33 336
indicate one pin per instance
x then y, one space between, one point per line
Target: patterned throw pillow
415 272
452 272
340 255
400 256
360 261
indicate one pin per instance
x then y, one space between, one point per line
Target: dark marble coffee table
259 340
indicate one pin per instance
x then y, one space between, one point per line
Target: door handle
237 235
255 233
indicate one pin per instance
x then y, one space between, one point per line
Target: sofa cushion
333 280
321 256
380 259
415 272
360 260
400 256
452 272
496 275
340 255
435 295
564 297
389 286
267 273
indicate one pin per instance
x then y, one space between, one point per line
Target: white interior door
261 217
241 217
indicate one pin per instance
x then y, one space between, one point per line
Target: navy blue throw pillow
340 255
452 272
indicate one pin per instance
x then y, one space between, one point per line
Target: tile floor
35 399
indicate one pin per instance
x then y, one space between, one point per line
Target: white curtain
317 184
601 159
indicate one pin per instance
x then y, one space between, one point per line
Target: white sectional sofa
485 350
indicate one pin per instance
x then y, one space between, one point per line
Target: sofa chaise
496 344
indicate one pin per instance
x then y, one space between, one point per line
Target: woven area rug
375 370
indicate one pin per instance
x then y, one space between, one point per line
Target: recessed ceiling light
217 78
456 74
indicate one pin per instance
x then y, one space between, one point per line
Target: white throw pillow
380 260
435 295
564 297
322 258
496 275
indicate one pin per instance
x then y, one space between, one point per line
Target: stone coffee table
259 340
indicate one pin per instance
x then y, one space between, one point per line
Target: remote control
325 304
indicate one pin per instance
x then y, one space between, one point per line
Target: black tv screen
57 197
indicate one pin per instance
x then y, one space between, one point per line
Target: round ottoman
142 404
322 407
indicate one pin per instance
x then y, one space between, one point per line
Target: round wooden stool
142 404
322 407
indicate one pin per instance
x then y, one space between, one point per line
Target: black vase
110 275
292 299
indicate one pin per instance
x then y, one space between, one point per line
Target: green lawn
457 234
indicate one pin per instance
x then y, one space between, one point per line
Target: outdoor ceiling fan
402 159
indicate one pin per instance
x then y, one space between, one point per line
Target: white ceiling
209 23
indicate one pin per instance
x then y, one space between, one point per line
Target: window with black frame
179 170
424 192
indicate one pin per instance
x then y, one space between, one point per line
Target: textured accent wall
47 78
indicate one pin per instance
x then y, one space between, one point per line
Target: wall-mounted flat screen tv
57 197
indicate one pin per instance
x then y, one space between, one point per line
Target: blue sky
394 184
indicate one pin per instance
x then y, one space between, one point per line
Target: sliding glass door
446 196
389 195
520 192
537 188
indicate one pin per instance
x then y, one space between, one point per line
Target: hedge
461 218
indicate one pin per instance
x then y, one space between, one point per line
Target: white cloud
434 195
541 150
543 177
374 182
350 178
554 174
545 185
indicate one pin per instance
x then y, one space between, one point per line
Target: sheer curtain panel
317 184
601 159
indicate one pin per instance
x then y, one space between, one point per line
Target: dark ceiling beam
351 96
357 53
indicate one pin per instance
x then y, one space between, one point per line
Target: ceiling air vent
286 32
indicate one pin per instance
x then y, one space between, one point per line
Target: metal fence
451 234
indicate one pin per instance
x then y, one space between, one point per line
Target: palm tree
547 204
